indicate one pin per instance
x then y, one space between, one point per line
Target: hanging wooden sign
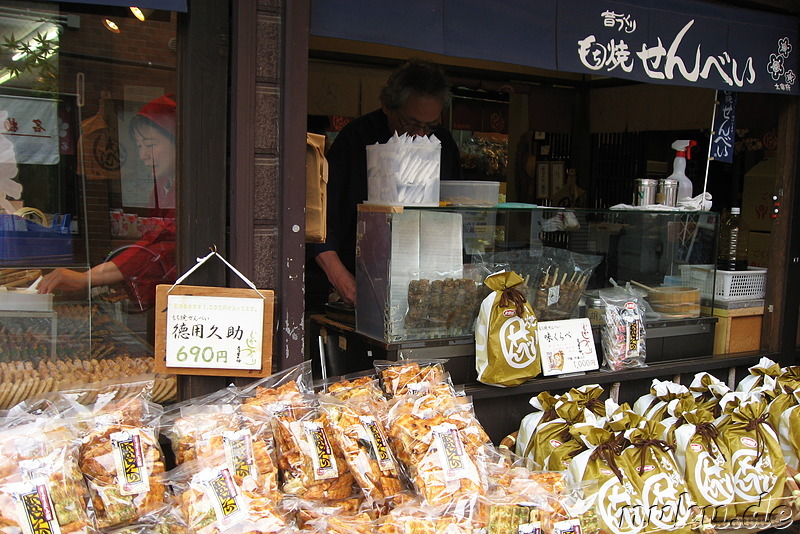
214 331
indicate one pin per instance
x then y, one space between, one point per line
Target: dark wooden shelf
652 370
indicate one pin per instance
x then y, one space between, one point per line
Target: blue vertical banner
724 127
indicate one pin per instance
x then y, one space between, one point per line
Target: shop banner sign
213 331
724 128
33 127
676 42
680 43
566 346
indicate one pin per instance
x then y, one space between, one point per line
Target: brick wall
113 65
267 162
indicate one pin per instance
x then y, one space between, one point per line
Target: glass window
87 187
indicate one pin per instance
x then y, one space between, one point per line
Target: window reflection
87 183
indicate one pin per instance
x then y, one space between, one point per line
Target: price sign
566 346
213 331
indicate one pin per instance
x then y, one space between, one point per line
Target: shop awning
678 42
165 5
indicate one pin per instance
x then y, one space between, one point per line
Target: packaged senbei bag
506 351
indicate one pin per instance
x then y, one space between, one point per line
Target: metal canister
667 192
595 308
645 192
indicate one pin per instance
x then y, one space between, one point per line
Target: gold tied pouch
506 350
589 397
609 480
561 457
707 387
544 405
765 367
705 461
788 428
783 402
664 492
553 434
759 470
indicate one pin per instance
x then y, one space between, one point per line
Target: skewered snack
18 277
557 296
442 307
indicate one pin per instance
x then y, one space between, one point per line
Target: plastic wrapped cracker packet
122 461
311 463
444 452
308 515
195 426
415 518
358 431
41 483
403 376
284 390
364 384
212 502
623 335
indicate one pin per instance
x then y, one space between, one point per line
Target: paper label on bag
239 452
322 454
34 507
451 451
132 475
221 490
553 294
377 441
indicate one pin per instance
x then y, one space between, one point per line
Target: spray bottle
683 151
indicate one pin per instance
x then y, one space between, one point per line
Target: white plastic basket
727 285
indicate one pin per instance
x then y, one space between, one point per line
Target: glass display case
419 271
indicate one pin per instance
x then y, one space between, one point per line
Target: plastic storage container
725 285
733 238
469 192
22 239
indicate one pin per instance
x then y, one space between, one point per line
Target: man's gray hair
416 76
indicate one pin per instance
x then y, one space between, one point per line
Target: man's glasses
413 126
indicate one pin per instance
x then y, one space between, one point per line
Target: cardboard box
759 186
758 249
738 330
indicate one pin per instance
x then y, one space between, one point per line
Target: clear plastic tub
469 192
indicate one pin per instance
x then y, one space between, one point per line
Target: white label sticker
35 508
221 490
132 475
239 453
451 451
321 453
378 443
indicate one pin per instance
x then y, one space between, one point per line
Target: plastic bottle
733 237
683 151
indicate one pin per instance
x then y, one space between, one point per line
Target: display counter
419 271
